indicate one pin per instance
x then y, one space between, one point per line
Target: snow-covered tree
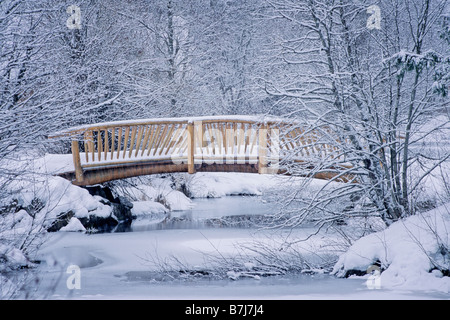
371 93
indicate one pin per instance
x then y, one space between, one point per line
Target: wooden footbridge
116 150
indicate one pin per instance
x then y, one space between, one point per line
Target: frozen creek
127 265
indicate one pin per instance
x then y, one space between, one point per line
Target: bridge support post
77 161
191 148
262 150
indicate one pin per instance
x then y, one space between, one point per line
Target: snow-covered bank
114 265
39 189
412 253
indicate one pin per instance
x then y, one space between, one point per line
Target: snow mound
51 196
412 253
148 208
216 185
74 225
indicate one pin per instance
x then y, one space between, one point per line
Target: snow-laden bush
412 253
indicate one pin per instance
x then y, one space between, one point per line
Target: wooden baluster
184 141
85 142
230 144
106 144
146 137
119 143
301 143
139 140
133 135
198 129
89 145
191 148
212 143
224 139
241 138
220 138
153 138
175 140
252 138
206 140
262 152
160 139
125 142
291 139
274 147
247 138
316 139
113 142
99 145
167 139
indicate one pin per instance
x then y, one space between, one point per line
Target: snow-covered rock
148 208
74 225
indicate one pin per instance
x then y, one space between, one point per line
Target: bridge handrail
256 119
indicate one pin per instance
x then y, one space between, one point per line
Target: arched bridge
123 149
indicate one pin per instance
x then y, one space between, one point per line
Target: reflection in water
233 211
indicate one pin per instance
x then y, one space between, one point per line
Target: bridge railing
197 141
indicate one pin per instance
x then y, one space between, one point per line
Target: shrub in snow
12 258
412 253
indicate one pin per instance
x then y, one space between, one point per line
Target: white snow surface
213 185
